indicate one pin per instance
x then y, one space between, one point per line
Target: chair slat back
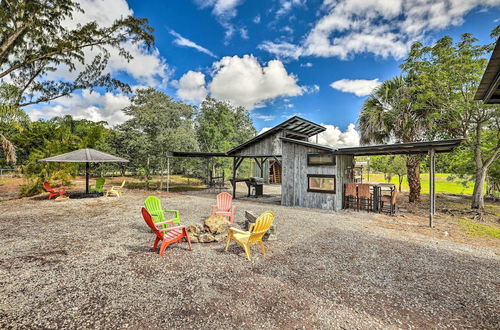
350 189
149 221
261 226
99 184
47 187
224 201
153 205
364 190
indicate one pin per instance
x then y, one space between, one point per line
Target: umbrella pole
87 174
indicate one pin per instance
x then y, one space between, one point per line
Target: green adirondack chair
99 185
153 205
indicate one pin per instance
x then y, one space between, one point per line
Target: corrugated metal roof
85 156
386 149
295 127
489 87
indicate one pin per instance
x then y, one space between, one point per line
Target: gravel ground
86 263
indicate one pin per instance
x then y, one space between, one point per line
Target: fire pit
213 229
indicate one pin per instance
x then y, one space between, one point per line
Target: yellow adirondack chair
254 235
115 190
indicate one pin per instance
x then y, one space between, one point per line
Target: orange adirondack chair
167 236
52 192
224 206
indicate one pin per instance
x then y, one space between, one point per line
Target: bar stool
391 200
350 195
365 200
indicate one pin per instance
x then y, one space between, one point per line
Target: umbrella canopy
87 156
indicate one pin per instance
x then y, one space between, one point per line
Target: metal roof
294 127
309 144
401 148
197 154
386 149
489 89
85 156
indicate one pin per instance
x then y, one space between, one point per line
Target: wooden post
234 176
168 174
432 188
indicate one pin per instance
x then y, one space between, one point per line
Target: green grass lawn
443 185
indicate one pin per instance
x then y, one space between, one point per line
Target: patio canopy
87 156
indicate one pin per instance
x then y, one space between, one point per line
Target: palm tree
391 114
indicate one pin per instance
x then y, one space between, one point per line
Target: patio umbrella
86 156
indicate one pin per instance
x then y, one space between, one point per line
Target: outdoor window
320 159
321 183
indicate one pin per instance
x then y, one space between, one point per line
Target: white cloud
384 28
92 106
264 117
256 19
264 129
359 87
334 137
191 87
147 67
224 11
281 49
287 5
184 42
306 65
244 81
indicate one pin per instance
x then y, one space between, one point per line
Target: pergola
86 156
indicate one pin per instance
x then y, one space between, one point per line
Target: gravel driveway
86 263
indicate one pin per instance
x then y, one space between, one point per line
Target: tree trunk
413 172
400 181
478 194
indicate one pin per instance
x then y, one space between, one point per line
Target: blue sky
275 57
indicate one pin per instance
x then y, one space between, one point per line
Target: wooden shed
313 175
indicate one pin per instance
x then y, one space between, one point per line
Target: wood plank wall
294 178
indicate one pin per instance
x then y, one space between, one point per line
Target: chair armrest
172 228
171 222
173 211
238 230
214 208
233 208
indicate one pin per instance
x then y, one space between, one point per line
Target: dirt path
85 263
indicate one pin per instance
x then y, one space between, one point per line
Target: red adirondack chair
166 235
52 192
224 206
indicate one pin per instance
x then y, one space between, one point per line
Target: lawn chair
153 206
53 192
167 236
224 206
391 201
99 185
115 190
253 235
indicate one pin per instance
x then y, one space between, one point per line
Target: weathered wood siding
294 178
256 170
268 146
345 164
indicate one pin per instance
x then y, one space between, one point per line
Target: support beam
168 174
236 163
432 186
